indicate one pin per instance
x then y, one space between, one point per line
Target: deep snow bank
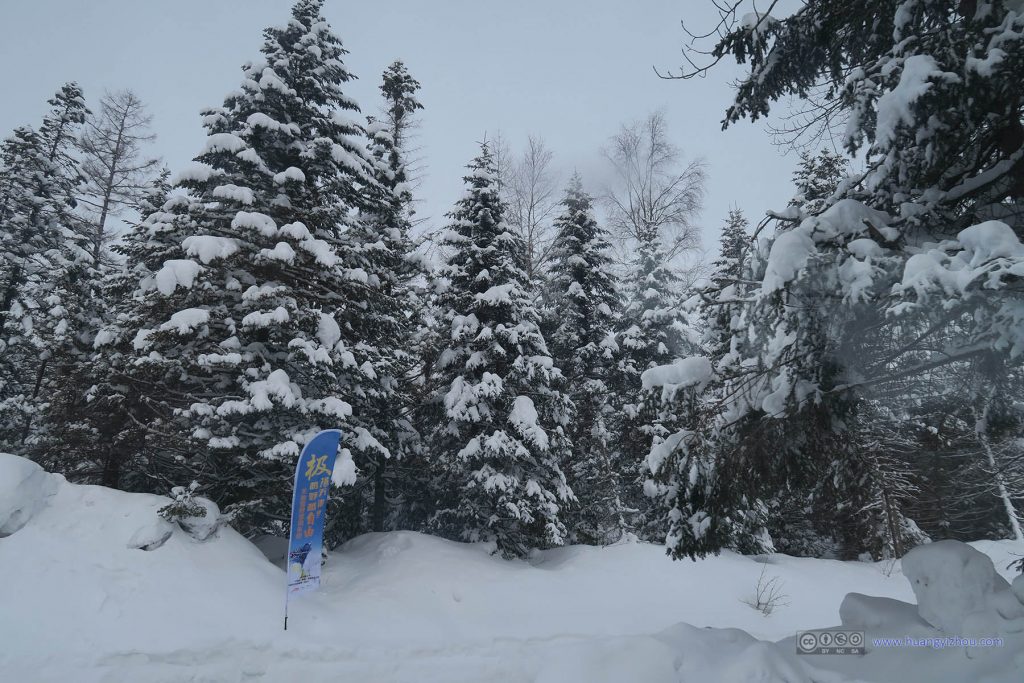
76 588
24 489
82 600
951 580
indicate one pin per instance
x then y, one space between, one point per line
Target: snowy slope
79 603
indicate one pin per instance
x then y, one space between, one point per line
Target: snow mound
80 595
94 588
951 580
25 489
151 536
869 611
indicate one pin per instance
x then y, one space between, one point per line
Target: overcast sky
568 70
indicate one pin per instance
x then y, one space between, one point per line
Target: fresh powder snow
95 584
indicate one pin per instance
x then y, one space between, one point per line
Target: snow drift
95 586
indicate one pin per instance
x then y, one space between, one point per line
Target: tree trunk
379 494
111 476
40 373
1004 495
9 293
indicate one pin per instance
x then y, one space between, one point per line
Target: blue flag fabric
309 507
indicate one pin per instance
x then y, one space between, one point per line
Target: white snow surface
176 273
685 372
524 417
290 173
951 580
896 107
187 320
328 331
223 142
79 604
242 195
208 248
24 490
788 256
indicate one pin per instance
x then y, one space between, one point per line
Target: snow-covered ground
80 600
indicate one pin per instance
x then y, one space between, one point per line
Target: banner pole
286 610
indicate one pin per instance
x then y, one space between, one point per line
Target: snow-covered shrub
198 517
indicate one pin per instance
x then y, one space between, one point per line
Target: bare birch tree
531 192
653 194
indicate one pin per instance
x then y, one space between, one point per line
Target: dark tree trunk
379 497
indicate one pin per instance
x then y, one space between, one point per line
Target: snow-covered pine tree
688 439
653 330
817 178
77 432
721 300
98 415
840 486
855 300
243 313
581 309
497 424
43 267
381 246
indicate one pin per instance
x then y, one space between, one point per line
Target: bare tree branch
654 195
116 174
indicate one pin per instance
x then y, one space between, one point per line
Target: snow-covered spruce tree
721 300
388 480
847 503
44 270
582 307
77 431
688 440
97 417
498 421
817 178
653 330
857 301
242 318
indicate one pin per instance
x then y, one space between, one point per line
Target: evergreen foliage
653 330
582 309
845 382
44 270
498 417
242 319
